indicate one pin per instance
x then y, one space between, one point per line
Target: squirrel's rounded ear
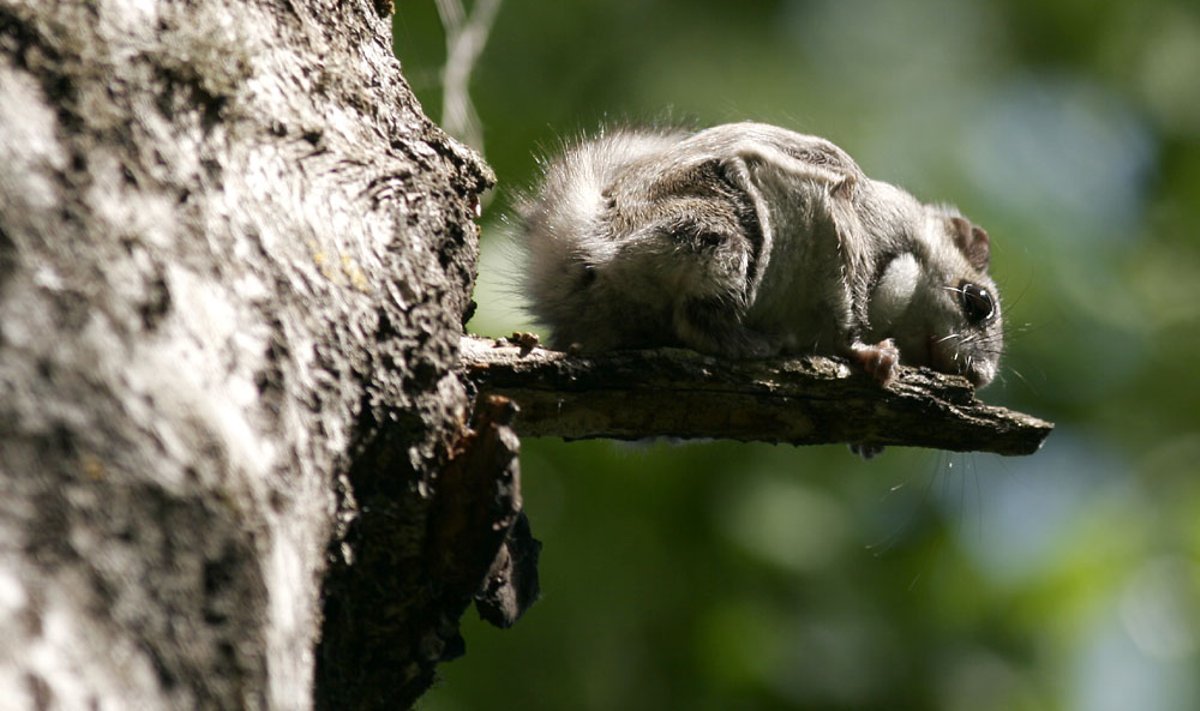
972 241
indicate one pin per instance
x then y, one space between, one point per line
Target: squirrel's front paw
879 360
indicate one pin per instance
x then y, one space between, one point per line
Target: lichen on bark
234 258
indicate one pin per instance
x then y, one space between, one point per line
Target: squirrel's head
938 301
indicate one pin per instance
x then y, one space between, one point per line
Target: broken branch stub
673 392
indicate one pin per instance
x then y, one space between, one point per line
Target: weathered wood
672 392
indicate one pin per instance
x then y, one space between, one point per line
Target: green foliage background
721 576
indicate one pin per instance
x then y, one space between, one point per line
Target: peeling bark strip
467 552
234 260
679 393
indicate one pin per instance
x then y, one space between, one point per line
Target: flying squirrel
749 240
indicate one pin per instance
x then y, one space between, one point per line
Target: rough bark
679 393
234 262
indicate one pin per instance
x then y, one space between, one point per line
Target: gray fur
751 240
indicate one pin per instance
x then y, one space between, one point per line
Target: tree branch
670 392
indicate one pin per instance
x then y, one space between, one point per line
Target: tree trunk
235 259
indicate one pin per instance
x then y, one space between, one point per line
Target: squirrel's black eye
977 302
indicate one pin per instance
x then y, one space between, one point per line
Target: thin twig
466 36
